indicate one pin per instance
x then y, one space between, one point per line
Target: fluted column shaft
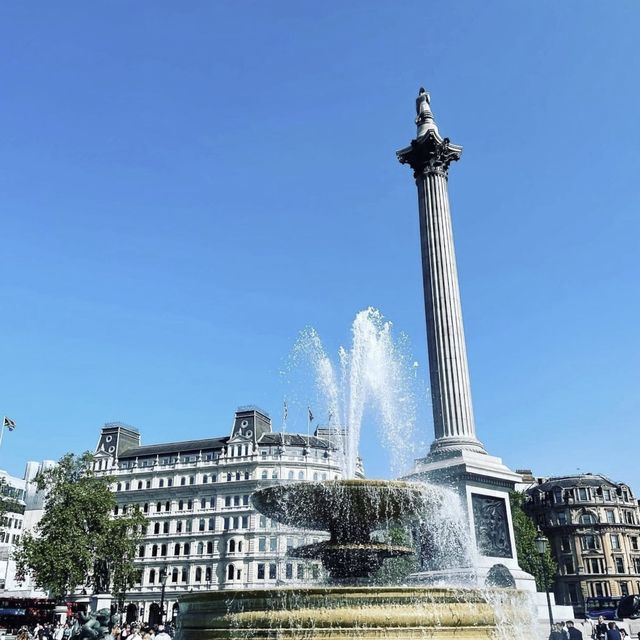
448 368
430 155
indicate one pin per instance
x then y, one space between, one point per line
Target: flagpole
2 431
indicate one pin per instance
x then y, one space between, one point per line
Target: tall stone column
430 155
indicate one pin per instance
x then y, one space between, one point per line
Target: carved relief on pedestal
491 526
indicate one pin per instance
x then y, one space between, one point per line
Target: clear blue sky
185 186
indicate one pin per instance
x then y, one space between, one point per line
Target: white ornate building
203 532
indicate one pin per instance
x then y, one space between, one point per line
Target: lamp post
163 580
541 547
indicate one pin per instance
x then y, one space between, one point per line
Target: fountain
353 511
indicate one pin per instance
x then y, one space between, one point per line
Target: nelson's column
457 458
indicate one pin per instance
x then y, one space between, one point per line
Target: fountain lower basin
332 613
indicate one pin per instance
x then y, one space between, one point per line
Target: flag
8 423
286 411
310 415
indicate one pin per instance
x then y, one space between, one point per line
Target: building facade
203 532
593 526
23 507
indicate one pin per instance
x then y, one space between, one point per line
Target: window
629 517
198 576
572 592
229 477
615 541
300 475
185 574
300 572
226 525
273 543
187 549
246 475
597 590
230 572
203 503
227 501
611 516
624 589
179 526
212 524
587 518
192 479
315 571
288 571
232 546
264 475
163 550
262 544
165 527
263 522
156 528
590 542
183 481
161 482
209 548
273 571
167 506
568 566
205 479
245 522
236 501
245 501
207 574
562 517
176 550
289 544
154 550
174 575
148 484
634 542
189 504
636 564
212 502
201 524
152 576
180 505
169 482
583 494
291 475
619 564
260 571
606 493
200 548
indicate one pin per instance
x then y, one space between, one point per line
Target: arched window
588 518
264 475
187 548
246 475
214 478
174 575
230 572
141 551
126 486
140 484
315 476
209 548
212 524
232 546
229 477
198 574
176 550
183 481
290 477
240 546
154 550
207 574
205 479
238 476
179 526
156 527
163 550
189 504
300 475
167 506
200 548
159 507
165 527
185 574
192 479
152 576
161 482
119 487
180 505
201 524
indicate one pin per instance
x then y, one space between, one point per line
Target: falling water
375 372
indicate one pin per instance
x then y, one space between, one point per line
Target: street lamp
541 546
163 580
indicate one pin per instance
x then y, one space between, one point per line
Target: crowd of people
601 630
64 631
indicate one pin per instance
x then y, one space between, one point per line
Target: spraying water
376 372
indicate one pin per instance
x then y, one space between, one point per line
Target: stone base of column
483 483
450 447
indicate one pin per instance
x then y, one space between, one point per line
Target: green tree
78 542
525 532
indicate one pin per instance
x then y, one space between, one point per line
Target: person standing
613 633
600 632
163 635
574 634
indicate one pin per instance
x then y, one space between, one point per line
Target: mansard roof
294 440
186 446
582 480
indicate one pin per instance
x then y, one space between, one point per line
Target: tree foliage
525 532
78 543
